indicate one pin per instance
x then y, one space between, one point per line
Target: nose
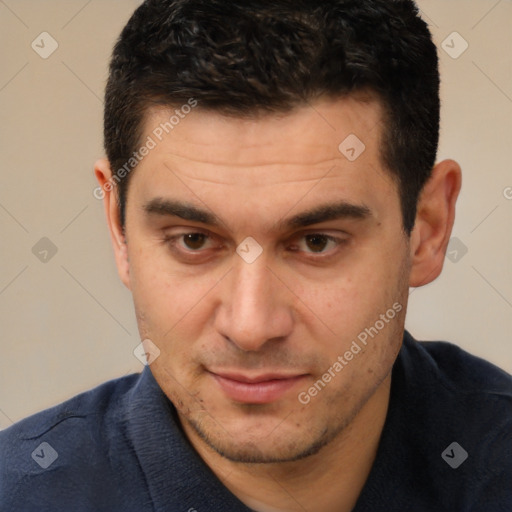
255 306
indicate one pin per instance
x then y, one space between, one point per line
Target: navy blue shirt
446 446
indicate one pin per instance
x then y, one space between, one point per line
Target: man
272 193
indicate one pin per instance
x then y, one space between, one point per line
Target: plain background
68 322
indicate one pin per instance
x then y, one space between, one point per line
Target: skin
293 310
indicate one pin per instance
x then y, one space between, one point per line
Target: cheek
170 304
347 307
157 297
346 301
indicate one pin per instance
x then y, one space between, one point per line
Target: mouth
260 389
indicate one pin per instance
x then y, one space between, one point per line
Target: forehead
326 150
306 134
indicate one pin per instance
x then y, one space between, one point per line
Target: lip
259 389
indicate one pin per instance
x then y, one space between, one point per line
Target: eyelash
171 241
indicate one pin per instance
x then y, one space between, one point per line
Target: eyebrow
322 213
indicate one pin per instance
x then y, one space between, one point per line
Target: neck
330 480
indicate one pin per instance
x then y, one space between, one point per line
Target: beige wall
68 323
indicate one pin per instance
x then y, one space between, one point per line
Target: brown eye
317 243
194 241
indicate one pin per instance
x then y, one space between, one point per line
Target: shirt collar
176 477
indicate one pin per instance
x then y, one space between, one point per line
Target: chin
281 441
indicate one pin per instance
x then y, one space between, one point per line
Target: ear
108 192
434 222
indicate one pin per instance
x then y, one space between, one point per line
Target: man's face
243 336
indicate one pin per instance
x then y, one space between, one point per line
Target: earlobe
434 222
104 176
